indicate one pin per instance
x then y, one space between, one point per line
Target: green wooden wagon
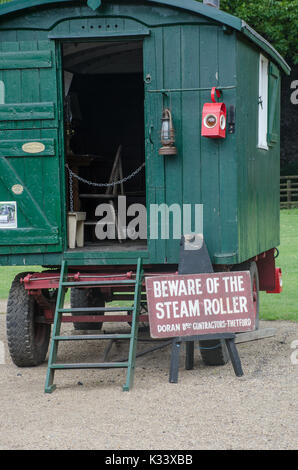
85 90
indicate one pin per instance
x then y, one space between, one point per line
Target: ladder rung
95 309
100 318
102 365
90 337
97 283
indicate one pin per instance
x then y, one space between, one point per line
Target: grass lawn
285 306
272 306
7 275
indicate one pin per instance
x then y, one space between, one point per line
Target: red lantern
214 119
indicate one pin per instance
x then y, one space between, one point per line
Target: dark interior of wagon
104 140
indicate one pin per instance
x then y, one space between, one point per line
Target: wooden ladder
60 310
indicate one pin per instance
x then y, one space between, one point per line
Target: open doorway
104 141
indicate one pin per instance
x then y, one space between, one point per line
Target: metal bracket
194 256
165 91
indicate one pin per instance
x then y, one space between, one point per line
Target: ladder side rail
49 387
134 327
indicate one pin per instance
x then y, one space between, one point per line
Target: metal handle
150 134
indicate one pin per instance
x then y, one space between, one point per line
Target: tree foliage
275 20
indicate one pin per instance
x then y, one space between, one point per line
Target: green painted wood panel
30 236
228 183
25 60
155 173
142 12
258 169
99 27
190 116
205 170
30 215
274 100
30 94
54 259
26 111
177 11
39 202
173 164
210 169
14 148
232 178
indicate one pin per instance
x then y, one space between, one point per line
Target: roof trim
188 5
204 10
266 46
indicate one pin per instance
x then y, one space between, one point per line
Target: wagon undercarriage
37 300
39 285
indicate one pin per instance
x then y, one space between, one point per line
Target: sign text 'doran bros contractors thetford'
187 305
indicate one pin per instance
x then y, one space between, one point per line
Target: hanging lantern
167 134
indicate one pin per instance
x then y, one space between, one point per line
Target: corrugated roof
9 6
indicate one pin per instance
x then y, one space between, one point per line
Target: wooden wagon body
84 88
183 48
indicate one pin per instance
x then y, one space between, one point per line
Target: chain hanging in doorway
98 185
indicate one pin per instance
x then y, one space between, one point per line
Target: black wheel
214 352
86 298
252 267
28 341
143 326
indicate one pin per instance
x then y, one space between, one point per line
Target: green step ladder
132 337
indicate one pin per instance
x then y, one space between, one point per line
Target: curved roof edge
266 46
188 5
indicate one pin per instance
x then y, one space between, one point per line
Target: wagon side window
263 103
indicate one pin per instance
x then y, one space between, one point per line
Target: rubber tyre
86 298
28 341
143 326
214 352
218 353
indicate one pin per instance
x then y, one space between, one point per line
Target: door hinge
59 113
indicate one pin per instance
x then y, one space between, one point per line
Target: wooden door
29 149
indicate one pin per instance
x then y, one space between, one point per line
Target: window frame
263 103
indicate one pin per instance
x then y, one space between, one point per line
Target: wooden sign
198 304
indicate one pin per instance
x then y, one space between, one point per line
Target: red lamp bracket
214 118
213 92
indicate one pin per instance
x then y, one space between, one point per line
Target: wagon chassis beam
37 283
50 280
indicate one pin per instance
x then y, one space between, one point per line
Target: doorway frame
118 257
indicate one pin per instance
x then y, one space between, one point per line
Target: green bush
276 20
